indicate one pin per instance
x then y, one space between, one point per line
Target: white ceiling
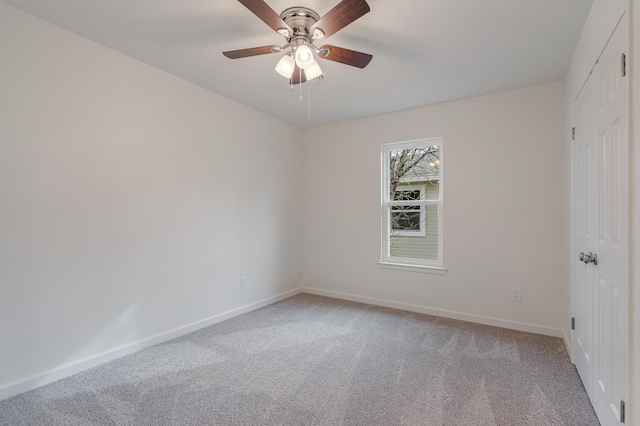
424 51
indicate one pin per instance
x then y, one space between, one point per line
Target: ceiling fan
301 26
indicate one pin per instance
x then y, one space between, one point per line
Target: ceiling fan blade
268 15
340 16
345 56
253 51
298 76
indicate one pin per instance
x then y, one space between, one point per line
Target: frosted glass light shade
313 71
304 57
285 66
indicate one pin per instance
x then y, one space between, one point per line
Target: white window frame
402 263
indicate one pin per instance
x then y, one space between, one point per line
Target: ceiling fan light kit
285 66
313 72
304 57
301 26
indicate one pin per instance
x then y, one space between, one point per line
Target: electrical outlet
243 282
516 295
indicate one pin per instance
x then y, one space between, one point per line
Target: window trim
421 265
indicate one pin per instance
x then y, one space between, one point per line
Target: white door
611 242
584 184
601 179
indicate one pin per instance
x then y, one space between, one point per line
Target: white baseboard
479 319
33 381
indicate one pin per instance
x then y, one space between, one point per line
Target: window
412 204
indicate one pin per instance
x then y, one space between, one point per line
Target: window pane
422 244
412 167
407 195
432 190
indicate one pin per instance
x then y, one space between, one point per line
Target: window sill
437 270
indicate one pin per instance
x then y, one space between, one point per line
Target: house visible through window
412 203
408 220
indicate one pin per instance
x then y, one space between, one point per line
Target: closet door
584 194
601 227
612 226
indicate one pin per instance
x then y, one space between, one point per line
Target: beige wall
118 220
634 357
634 397
509 232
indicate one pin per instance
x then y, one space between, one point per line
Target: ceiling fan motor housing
300 19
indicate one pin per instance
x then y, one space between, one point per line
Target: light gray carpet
311 360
